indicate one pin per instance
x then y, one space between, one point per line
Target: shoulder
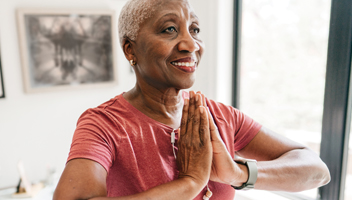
102 112
223 111
97 134
231 116
236 128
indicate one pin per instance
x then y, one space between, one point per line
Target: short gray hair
132 15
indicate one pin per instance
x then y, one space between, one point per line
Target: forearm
294 171
183 188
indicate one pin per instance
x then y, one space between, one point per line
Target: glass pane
283 63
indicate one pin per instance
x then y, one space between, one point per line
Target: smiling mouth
185 65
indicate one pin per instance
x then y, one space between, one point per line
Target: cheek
201 48
157 51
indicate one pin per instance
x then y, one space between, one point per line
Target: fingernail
197 97
201 110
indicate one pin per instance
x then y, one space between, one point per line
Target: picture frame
63 49
2 87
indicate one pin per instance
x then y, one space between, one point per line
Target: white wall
37 128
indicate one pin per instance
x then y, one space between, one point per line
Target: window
336 112
283 63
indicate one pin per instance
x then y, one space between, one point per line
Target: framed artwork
2 88
63 49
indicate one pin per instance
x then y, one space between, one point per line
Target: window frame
2 88
237 28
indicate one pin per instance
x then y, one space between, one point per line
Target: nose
188 43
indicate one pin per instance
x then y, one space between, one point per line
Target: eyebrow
167 15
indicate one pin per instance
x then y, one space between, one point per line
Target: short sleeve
246 129
235 128
93 139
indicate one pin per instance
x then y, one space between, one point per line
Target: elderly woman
157 141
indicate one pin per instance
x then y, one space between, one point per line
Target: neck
164 105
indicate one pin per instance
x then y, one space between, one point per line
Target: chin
183 82
186 85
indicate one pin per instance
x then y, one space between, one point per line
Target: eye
196 30
170 29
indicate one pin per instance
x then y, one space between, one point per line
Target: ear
128 49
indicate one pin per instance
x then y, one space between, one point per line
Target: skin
170 34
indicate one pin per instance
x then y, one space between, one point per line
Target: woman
158 142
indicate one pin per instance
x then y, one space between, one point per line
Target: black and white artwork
2 88
66 49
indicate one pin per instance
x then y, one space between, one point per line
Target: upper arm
267 145
81 179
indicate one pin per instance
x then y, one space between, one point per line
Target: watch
252 173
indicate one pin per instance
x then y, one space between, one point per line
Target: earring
132 63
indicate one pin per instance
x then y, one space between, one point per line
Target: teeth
187 64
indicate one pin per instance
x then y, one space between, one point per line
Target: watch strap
252 174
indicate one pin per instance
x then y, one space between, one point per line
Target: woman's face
168 48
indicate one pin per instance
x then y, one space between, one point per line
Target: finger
211 120
204 134
214 132
195 126
200 95
198 100
184 118
202 101
191 110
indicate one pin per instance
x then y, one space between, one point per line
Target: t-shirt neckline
143 116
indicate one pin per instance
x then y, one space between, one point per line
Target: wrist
252 173
193 184
242 175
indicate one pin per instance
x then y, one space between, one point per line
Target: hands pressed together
202 155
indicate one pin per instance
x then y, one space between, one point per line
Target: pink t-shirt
136 151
